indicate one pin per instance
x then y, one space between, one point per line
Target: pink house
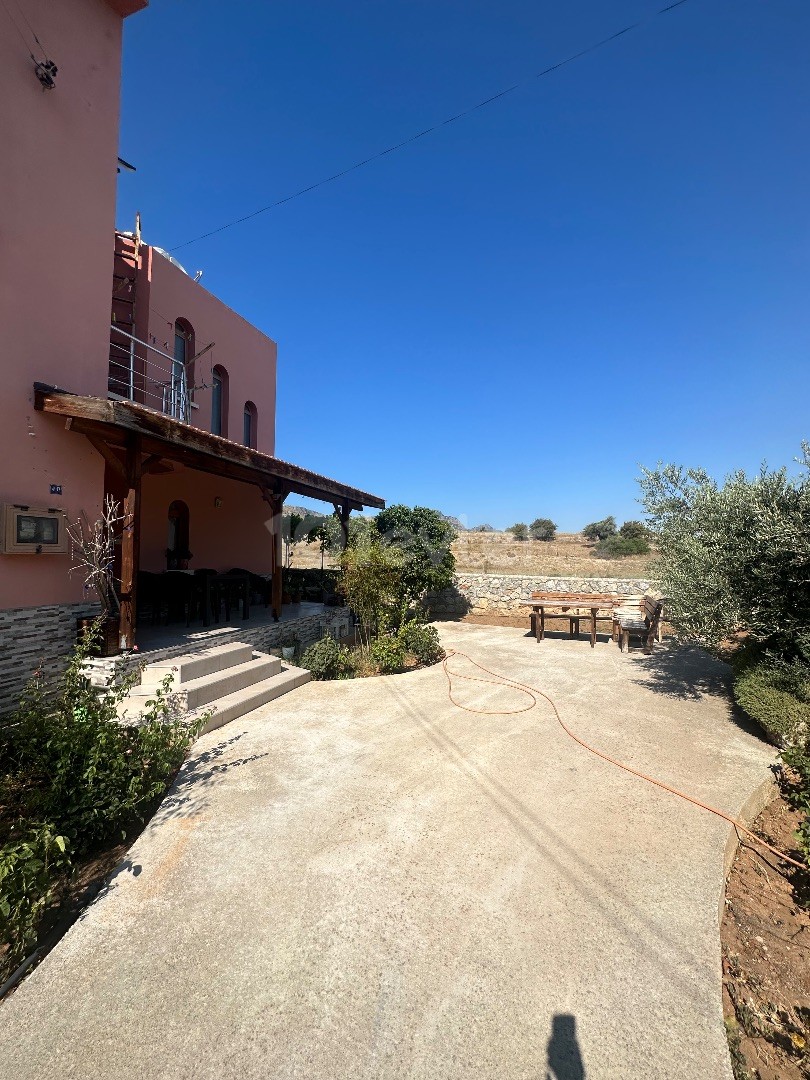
121 374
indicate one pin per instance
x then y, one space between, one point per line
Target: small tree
543 529
372 571
734 557
634 530
93 550
520 530
600 530
423 537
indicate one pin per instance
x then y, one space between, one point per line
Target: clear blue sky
608 267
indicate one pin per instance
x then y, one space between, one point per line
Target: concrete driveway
361 881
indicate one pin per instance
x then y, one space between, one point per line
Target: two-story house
121 374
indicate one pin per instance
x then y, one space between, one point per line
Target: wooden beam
131 543
210 453
107 452
343 511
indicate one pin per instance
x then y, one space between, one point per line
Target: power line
433 128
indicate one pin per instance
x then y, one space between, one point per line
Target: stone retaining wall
31 638
500 594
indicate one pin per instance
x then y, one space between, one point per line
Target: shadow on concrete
187 794
689 673
685 672
563 1055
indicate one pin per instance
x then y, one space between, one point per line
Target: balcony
143 373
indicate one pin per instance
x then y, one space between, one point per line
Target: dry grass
567 556
499 553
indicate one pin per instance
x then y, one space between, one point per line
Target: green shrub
328 659
421 641
543 529
798 758
616 547
634 530
600 530
775 693
30 866
83 770
520 530
388 653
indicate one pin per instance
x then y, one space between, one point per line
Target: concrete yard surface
362 881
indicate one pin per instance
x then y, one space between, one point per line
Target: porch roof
112 424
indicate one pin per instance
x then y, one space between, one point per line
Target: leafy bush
372 572
388 653
328 659
775 693
73 775
30 866
600 530
798 758
734 557
422 537
618 546
520 530
80 768
543 529
421 641
634 530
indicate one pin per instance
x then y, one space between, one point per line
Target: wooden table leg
593 627
542 624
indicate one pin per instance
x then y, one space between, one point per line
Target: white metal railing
160 384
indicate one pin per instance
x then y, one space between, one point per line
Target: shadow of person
562 1052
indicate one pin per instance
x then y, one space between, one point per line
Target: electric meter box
32 530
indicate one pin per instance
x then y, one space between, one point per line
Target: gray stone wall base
36 639
41 639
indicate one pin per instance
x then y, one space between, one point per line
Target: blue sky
610 266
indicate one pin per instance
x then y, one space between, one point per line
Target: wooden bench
645 623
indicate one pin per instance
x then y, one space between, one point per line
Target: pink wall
235 534
57 193
165 294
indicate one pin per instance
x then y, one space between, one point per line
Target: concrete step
193 666
220 684
251 697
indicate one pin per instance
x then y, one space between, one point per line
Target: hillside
499 553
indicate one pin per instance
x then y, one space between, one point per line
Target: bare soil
765 936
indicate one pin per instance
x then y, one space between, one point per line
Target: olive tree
543 529
734 557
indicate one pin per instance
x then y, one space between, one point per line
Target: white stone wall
501 594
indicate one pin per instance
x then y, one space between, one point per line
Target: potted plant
289 643
93 551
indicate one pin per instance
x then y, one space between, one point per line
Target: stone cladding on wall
501 594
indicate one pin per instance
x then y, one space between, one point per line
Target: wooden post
343 511
275 501
130 542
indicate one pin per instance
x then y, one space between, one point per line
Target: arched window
219 401
182 376
177 550
251 417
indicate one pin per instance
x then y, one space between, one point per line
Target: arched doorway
177 550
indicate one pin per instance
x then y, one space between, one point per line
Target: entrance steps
229 680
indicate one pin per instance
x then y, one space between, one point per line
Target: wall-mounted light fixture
218 502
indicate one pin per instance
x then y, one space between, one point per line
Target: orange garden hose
533 693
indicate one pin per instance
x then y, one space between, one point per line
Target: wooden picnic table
572 604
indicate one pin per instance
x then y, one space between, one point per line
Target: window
249 435
219 401
182 371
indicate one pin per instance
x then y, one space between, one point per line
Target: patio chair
645 625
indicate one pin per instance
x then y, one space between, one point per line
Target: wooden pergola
135 440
